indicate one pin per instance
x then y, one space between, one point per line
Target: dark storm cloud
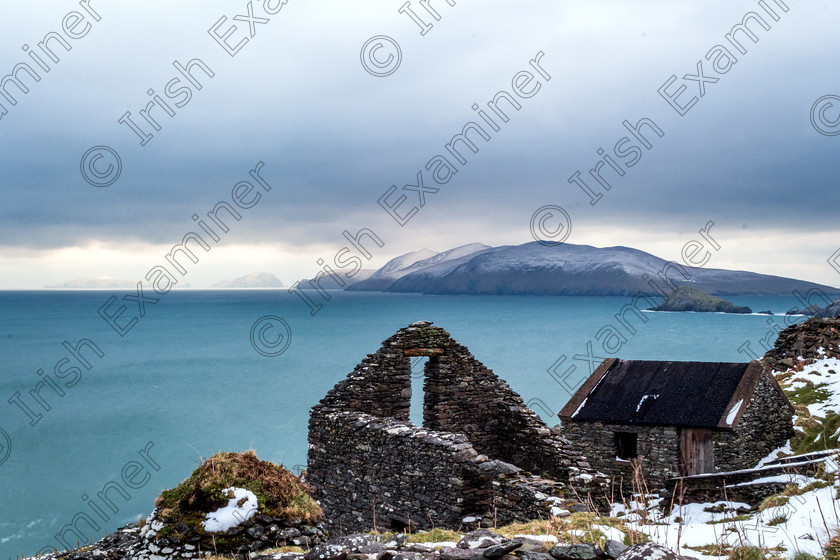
334 138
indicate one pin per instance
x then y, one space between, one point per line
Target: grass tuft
279 493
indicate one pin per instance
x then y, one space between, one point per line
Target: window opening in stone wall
418 367
625 445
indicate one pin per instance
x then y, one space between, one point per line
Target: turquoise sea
185 381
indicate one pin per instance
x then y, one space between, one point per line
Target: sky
331 103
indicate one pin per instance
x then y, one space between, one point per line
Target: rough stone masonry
480 453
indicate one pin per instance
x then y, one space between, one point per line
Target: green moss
710 549
743 517
568 529
808 394
773 501
435 535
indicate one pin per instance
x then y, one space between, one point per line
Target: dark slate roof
683 394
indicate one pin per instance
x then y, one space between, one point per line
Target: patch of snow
233 514
644 398
578 409
469 519
542 538
773 455
819 373
558 511
691 525
610 532
791 478
734 412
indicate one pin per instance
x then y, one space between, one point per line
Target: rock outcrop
832 310
810 340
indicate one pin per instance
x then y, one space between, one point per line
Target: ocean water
185 381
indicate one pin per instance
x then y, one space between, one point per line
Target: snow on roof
734 412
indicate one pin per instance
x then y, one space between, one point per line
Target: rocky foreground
140 543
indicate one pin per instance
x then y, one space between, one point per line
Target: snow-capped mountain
409 263
567 269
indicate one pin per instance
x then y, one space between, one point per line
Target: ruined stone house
479 453
676 418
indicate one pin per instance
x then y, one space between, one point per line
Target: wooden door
697 455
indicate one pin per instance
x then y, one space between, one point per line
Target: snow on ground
775 454
803 528
241 507
822 372
548 539
802 524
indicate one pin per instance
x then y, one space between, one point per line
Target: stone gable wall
480 450
767 423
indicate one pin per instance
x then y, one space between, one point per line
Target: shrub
747 553
279 493
832 550
775 500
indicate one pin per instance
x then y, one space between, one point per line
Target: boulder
395 541
327 552
355 542
584 551
453 553
499 550
649 551
529 555
531 544
480 538
614 548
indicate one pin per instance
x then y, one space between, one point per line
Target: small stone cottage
480 453
676 418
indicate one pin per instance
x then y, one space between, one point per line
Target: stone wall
767 423
480 450
658 450
805 340
375 471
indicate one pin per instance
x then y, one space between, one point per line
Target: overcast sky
333 137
